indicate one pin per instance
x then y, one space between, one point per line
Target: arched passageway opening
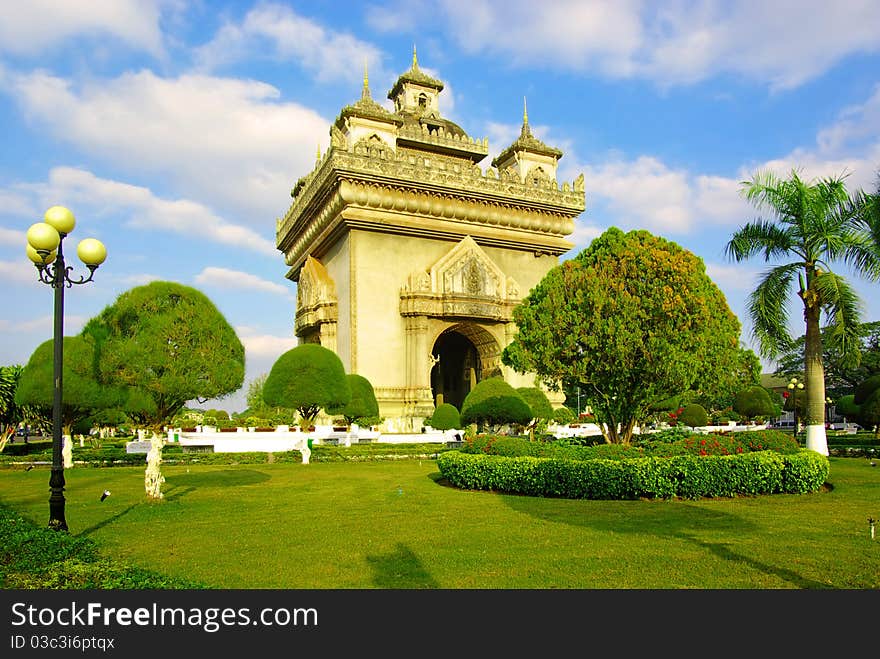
463 355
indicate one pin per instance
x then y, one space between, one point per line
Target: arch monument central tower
409 257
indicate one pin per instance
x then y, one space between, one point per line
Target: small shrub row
684 476
39 558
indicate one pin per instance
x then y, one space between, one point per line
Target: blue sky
174 129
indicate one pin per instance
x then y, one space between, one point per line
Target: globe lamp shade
91 251
43 237
40 259
61 218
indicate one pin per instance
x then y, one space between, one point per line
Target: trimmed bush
684 476
445 417
494 402
694 415
362 402
563 416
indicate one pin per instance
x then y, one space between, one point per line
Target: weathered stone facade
409 257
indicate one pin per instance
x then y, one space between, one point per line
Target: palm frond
843 308
757 237
864 225
768 311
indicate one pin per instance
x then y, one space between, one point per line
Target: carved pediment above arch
463 283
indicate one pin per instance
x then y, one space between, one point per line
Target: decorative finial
366 91
525 132
415 59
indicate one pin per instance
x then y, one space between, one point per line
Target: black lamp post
45 250
794 385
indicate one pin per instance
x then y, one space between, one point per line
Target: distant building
409 256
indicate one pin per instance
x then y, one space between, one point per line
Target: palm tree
815 224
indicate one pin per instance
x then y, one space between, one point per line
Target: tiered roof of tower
526 142
401 157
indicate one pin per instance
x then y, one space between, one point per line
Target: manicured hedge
685 476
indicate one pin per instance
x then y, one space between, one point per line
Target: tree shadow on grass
109 520
400 569
222 478
671 520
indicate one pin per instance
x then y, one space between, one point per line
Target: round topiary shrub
445 417
694 415
563 416
494 402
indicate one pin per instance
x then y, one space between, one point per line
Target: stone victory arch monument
409 258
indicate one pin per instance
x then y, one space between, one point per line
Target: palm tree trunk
814 374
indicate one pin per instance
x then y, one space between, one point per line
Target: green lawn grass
394 524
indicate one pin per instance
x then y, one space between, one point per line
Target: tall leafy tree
170 342
165 344
82 393
633 319
10 412
307 378
841 374
812 225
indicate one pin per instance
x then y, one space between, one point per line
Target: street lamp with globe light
44 249
795 386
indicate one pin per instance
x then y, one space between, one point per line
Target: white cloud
583 235
141 279
37 26
573 34
228 279
854 125
288 36
21 271
228 140
737 277
43 326
13 237
782 44
643 193
102 197
266 345
14 203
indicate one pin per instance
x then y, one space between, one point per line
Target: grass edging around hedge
684 476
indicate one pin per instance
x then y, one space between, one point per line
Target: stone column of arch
417 396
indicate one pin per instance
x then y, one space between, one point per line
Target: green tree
307 378
445 417
254 397
847 408
633 319
169 342
755 402
841 375
493 402
362 402
10 413
81 395
539 404
165 344
563 416
867 401
813 225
